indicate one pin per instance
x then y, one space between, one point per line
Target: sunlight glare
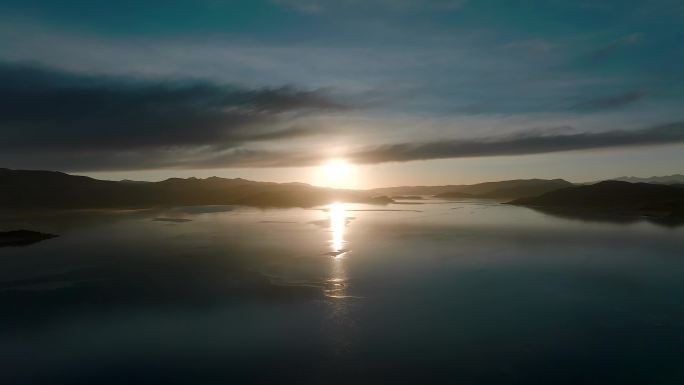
338 222
338 173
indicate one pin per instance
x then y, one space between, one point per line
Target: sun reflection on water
338 221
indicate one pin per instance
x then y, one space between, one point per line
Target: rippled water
423 292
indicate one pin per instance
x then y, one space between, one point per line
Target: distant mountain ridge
51 189
667 179
22 237
507 189
614 197
520 189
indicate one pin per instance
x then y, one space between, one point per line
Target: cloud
317 6
49 110
58 120
459 75
304 6
211 156
624 41
520 144
612 101
530 142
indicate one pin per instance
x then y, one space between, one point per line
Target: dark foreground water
458 293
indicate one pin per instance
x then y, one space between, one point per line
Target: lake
422 292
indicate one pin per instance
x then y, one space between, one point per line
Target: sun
336 170
338 173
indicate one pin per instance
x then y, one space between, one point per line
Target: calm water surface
419 293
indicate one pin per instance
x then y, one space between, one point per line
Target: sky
407 91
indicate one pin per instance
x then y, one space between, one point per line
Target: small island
22 237
455 195
173 220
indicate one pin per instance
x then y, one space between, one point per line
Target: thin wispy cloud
521 144
612 101
625 41
318 6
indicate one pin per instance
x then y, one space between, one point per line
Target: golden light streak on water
338 222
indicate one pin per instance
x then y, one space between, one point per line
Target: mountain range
668 179
50 189
616 197
511 189
507 189
27 189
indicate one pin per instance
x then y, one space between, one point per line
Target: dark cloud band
522 144
42 109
